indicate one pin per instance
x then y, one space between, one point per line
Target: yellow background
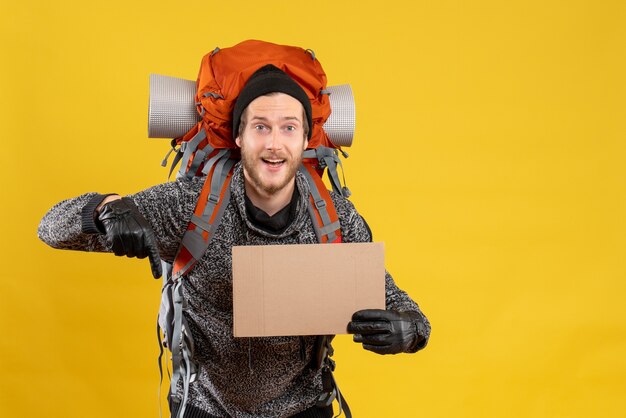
489 157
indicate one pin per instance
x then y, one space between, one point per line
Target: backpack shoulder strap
212 201
321 207
328 230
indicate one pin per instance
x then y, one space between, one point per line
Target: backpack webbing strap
160 360
167 156
176 336
198 158
195 240
209 165
182 346
188 148
343 405
213 198
321 208
165 317
329 384
329 158
175 161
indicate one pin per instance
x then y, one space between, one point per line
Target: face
272 141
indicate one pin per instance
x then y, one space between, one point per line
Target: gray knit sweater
240 377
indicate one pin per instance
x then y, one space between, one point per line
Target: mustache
275 156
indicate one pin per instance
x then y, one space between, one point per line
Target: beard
265 184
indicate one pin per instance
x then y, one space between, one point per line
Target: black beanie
265 80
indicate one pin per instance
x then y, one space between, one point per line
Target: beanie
265 80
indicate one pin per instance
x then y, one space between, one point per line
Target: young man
243 377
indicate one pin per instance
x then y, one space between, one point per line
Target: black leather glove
128 232
387 331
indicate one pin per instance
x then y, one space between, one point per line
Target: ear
306 144
238 141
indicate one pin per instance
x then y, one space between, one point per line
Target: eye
259 127
290 128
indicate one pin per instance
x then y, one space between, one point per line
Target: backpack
208 150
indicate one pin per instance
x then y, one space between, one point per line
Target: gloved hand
387 331
128 232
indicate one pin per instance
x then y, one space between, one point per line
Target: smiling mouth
273 162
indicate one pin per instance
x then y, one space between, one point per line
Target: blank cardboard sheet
308 289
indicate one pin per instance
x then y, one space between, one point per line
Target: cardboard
305 289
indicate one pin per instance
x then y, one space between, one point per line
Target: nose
274 141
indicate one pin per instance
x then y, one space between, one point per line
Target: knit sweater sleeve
167 207
355 229
61 226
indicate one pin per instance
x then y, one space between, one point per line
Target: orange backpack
224 72
209 150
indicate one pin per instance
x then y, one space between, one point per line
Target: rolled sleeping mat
172 112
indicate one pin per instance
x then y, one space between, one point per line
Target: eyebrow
264 119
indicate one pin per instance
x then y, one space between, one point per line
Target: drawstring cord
250 355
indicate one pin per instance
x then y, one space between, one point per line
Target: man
243 377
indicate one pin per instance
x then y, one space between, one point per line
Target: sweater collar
237 190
